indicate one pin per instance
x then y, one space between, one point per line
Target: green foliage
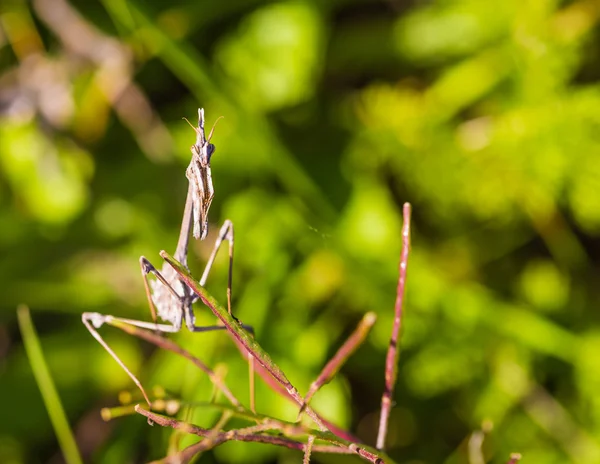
483 115
47 388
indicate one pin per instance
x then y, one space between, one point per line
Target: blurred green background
484 115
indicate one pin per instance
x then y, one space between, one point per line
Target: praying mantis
168 296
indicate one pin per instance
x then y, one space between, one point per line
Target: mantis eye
210 149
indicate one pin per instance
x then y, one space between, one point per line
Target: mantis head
199 175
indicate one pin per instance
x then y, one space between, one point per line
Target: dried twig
279 389
393 352
308 449
342 355
255 434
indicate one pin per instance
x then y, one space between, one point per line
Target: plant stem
308 449
236 329
277 388
391 361
254 434
341 356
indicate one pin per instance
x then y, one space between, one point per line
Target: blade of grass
50 396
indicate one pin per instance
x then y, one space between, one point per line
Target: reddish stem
278 388
391 361
340 357
236 330
254 433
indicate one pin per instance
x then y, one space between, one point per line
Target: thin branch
171 407
278 388
248 434
254 434
391 361
235 328
342 355
188 453
308 449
